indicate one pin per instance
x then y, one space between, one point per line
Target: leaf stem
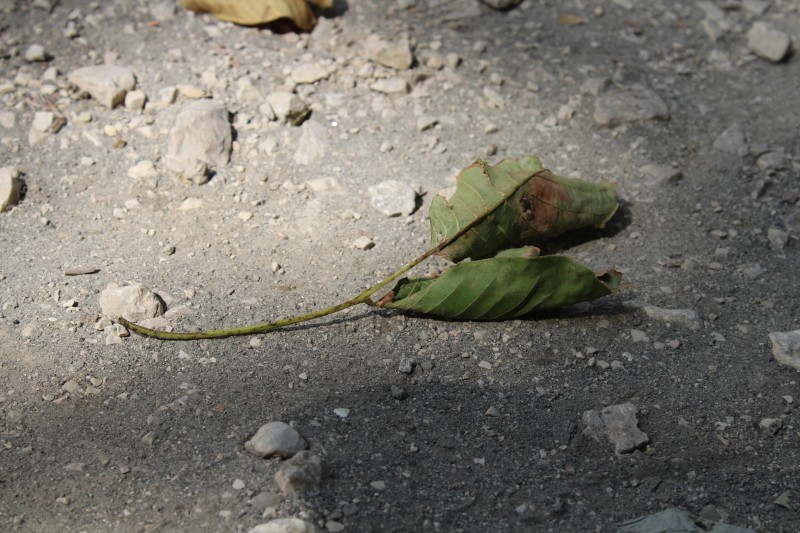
364 298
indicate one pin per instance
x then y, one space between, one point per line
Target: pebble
143 169
617 106
107 84
399 393
35 53
732 140
163 11
342 412
310 73
393 198
10 188
237 484
770 426
304 471
334 526
201 133
426 122
492 411
661 174
767 42
363 243
686 318
43 121
786 347
133 302
618 423
486 365
777 238
378 485
638 335
716 23
390 86
287 107
311 146
186 90
395 55
135 100
276 439
7 119
284 525
772 161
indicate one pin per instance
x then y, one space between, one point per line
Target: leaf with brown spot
515 202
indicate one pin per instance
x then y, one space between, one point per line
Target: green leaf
502 288
514 202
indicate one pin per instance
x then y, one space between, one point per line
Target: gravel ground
691 108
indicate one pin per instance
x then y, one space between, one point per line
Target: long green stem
364 298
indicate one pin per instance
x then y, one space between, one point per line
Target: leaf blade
502 288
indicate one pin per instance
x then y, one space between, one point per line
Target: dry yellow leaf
255 12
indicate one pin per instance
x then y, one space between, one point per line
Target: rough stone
310 73
201 132
661 174
276 439
35 53
133 302
619 424
312 143
390 86
304 471
393 198
716 23
10 187
786 347
767 42
143 169
396 55
107 84
284 525
286 106
617 106
163 11
770 426
43 120
135 100
363 243
686 318
732 140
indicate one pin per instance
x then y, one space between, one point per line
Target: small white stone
342 412
363 243
10 187
133 302
107 84
393 198
276 439
134 100
143 169
767 42
237 484
43 121
390 86
35 53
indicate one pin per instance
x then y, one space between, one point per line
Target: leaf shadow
621 220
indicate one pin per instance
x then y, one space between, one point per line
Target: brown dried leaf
255 12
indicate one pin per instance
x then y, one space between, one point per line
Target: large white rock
276 438
133 302
10 187
201 132
107 84
284 525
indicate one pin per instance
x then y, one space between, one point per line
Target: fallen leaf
510 285
517 201
255 12
783 501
